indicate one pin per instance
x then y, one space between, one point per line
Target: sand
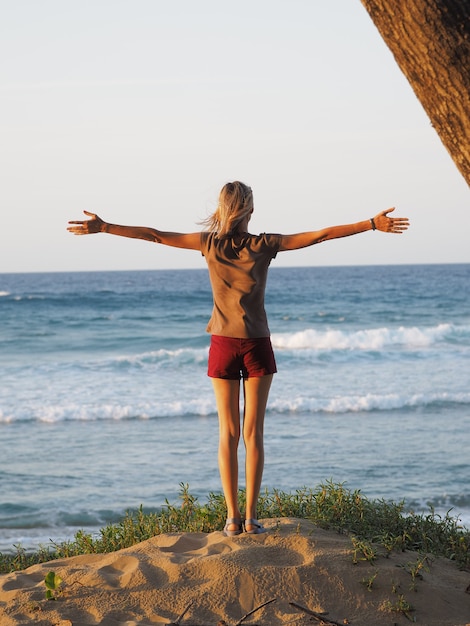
222 579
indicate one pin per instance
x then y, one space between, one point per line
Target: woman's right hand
388 224
87 227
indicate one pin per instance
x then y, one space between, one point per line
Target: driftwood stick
178 621
318 616
254 611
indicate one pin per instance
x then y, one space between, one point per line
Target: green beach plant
332 506
368 581
415 568
53 584
401 605
364 548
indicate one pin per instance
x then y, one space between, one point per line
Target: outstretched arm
380 222
96 225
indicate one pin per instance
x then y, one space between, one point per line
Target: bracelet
372 223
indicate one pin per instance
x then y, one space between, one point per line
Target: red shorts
233 358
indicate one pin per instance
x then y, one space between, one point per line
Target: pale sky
140 110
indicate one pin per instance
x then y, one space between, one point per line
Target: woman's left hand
387 224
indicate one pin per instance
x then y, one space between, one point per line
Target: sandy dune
222 579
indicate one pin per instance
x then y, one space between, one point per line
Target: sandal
258 528
233 521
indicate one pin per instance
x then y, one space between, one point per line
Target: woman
240 340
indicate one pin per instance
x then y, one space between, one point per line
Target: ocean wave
4 294
443 340
454 502
179 357
205 407
28 298
182 355
368 403
374 339
91 412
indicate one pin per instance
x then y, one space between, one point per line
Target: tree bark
430 40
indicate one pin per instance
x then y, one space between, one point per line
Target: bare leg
256 392
227 395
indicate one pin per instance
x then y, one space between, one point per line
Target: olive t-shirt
238 268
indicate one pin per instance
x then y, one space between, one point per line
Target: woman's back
238 267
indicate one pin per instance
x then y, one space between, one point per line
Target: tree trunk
430 40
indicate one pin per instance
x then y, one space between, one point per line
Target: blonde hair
235 203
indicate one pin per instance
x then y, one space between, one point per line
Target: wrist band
372 223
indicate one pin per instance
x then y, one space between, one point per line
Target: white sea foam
4 293
287 344
111 411
183 355
374 339
205 406
368 402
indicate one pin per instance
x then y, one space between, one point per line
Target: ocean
105 403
